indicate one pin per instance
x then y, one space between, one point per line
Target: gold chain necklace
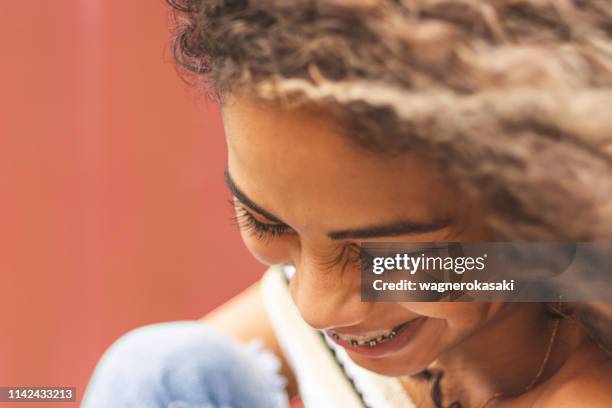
533 382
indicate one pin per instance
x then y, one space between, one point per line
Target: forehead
300 164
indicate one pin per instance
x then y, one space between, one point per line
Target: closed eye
263 231
345 255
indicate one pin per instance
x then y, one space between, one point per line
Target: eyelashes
344 255
260 230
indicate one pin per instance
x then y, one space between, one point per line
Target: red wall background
113 212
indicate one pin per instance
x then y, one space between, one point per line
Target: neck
504 356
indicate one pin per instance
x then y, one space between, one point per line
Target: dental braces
371 342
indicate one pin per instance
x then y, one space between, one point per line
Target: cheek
458 316
267 251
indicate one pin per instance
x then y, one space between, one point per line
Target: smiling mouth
370 340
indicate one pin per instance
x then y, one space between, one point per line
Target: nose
328 297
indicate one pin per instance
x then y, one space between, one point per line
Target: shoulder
590 387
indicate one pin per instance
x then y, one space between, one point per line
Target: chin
389 366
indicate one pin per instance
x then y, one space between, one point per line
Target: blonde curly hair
512 97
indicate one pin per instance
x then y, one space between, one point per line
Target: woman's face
306 196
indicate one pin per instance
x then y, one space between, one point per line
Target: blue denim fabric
185 365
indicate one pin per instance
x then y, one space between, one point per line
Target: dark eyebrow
389 230
246 200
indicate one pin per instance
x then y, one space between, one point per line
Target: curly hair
512 97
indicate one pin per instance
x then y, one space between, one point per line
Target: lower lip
401 339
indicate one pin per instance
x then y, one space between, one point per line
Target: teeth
371 341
